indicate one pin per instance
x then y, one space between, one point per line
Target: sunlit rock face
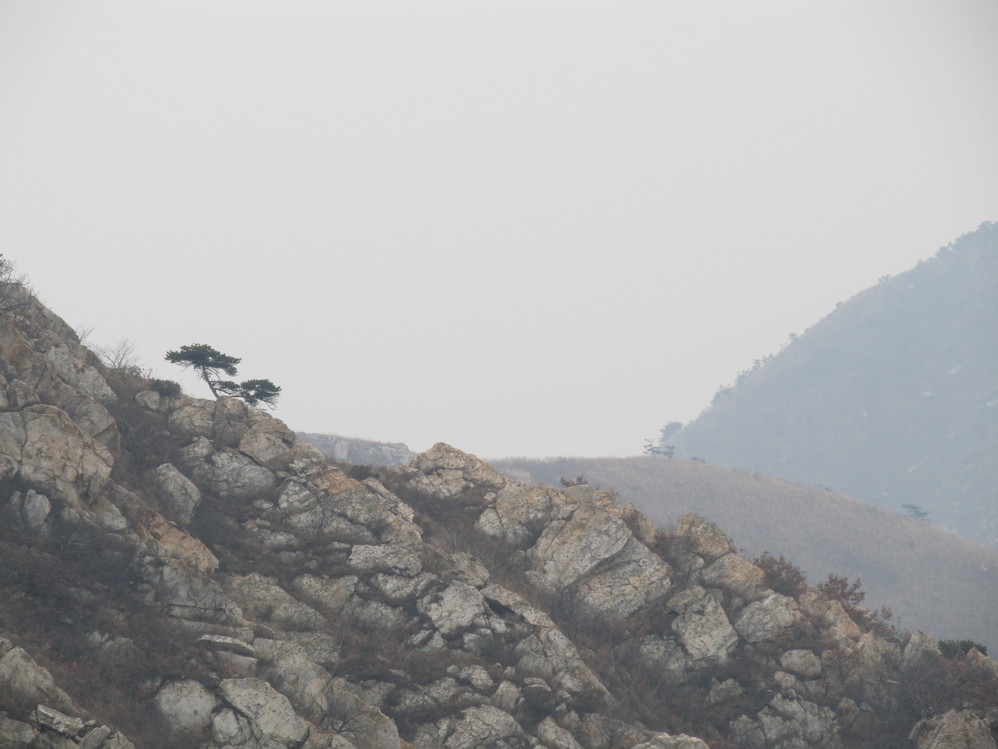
192 574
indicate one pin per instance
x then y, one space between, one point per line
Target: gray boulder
42 446
178 496
24 684
956 729
257 717
186 707
703 627
768 618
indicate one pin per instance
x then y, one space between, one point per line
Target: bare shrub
838 588
121 355
14 290
781 575
851 595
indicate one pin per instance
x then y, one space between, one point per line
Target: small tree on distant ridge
655 449
210 363
916 512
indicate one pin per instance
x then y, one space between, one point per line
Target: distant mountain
892 398
932 579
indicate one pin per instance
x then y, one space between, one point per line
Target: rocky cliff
929 578
358 451
180 572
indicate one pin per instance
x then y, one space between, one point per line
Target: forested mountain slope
891 398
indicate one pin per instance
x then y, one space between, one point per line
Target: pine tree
210 364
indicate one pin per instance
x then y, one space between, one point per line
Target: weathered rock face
256 715
702 627
767 619
447 472
703 538
577 541
24 682
594 553
956 729
186 707
789 722
28 690
41 446
178 495
192 573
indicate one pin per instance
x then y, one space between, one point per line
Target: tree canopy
211 363
253 392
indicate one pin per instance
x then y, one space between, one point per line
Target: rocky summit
177 572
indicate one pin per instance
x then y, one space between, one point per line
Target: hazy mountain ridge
180 572
892 398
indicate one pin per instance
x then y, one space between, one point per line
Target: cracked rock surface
186 572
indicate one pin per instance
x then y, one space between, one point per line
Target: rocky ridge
185 572
358 451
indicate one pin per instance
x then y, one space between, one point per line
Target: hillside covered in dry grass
930 578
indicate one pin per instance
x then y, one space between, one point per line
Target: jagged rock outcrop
43 447
178 496
956 729
22 681
256 715
50 718
192 574
186 707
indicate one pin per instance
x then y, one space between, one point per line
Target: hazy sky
524 228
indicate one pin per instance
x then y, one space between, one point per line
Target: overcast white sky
524 228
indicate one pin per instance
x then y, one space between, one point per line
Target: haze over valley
462 375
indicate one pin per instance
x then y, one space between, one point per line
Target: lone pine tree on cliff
210 364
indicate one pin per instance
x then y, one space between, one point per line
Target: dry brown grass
933 580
